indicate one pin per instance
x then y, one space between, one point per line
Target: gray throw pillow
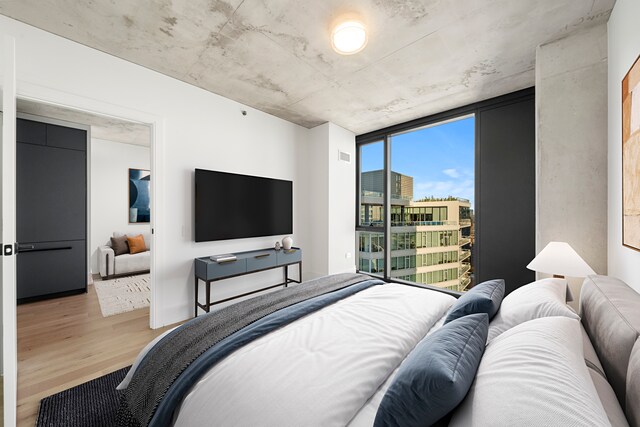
436 375
120 245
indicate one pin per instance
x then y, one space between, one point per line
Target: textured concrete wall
624 49
571 152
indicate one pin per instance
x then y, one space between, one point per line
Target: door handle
32 248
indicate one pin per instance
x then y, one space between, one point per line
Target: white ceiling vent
344 156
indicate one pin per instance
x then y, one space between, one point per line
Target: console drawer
258 262
285 257
223 269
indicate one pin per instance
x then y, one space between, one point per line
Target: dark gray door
51 200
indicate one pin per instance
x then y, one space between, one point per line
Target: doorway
68 340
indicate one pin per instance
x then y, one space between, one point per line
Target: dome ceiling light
349 37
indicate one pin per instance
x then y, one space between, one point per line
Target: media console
248 262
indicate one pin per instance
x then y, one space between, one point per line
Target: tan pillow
136 244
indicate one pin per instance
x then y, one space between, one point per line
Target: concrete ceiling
423 56
102 127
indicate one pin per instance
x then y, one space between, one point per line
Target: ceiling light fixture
349 37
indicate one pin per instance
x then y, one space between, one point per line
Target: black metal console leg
286 276
196 299
208 290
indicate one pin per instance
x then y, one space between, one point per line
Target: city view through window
432 206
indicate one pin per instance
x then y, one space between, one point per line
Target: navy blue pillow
436 376
485 297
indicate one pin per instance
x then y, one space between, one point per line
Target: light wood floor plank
65 342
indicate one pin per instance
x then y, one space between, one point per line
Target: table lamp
559 259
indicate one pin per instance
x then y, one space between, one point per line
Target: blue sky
439 158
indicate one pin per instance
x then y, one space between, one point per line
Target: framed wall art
139 196
631 157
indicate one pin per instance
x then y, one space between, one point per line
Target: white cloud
451 173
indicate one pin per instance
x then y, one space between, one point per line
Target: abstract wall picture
139 196
631 157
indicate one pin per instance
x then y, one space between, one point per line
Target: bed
352 350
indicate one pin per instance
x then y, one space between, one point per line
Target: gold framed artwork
631 157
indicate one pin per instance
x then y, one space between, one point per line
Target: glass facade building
431 239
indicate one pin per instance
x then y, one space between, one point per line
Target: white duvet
326 369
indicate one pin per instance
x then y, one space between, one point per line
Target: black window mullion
387 207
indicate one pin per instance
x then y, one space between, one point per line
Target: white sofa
111 265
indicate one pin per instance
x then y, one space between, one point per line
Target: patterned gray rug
123 294
94 403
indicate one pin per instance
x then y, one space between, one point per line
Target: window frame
478 109
384 136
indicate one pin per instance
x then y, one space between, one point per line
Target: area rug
94 403
123 294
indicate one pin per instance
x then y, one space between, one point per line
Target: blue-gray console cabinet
207 271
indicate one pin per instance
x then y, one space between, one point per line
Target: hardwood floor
64 342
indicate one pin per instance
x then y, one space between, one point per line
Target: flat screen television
232 206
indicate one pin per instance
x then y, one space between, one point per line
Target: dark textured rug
92 404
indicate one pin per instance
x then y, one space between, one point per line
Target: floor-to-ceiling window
430 175
448 200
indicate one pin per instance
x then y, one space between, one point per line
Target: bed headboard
610 312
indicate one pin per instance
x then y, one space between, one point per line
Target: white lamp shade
559 258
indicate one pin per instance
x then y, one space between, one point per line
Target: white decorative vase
287 242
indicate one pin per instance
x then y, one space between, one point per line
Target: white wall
342 192
1 316
110 164
571 145
197 129
329 202
624 48
314 173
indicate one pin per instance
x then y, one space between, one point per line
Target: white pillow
543 298
125 382
533 375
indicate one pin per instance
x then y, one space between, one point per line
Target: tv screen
231 206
